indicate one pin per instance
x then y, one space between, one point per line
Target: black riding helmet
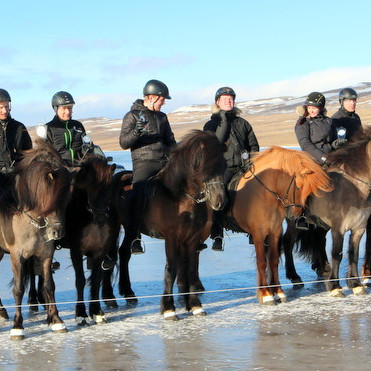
4 96
225 90
156 87
62 98
347 93
316 99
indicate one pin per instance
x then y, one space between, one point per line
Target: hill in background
272 119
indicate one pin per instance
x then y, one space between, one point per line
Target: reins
204 194
276 195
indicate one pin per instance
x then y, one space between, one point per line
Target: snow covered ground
311 332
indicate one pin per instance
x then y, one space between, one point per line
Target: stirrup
135 249
302 223
107 263
55 266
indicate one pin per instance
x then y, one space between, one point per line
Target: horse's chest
94 237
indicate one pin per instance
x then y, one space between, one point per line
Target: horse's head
196 169
42 189
94 178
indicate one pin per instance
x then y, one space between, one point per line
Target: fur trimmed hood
236 111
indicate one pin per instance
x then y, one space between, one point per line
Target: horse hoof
268 300
367 281
17 334
297 283
280 298
199 287
170 315
33 308
131 301
111 303
99 319
337 293
359 290
4 314
82 321
59 328
198 312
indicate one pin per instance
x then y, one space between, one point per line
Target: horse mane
194 157
310 177
353 155
39 179
95 170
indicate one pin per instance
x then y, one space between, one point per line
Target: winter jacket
235 132
14 138
348 120
66 138
154 143
315 136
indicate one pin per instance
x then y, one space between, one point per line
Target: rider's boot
216 232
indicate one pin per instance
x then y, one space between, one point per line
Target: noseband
41 222
205 194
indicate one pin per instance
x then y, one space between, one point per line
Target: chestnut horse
346 208
177 211
32 214
276 186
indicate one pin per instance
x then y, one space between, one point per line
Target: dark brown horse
346 208
32 214
276 186
177 211
91 231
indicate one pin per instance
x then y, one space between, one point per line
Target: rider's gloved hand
338 143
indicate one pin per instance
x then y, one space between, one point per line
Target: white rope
186 293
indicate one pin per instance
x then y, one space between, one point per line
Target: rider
64 133
14 136
66 136
146 131
314 130
240 140
346 116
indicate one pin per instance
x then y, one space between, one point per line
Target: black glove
223 115
138 129
337 143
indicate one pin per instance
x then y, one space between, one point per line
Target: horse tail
312 244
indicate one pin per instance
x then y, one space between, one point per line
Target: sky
103 52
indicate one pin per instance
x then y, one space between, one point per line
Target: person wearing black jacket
14 136
346 116
240 140
146 132
314 130
64 133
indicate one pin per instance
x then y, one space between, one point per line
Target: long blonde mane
310 177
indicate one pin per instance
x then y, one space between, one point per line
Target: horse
275 185
32 216
346 208
91 230
181 196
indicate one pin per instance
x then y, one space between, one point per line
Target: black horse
177 211
32 215
346 208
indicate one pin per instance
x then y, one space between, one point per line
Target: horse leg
320 262
95 311
32 293
198 285
53 318
81 316
366 268
17 332
263 292
194 303
274 257
333 285
3 312
124 280
288 242
167 301
353 277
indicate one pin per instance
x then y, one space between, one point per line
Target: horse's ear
113 168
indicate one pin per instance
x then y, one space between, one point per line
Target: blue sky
103 52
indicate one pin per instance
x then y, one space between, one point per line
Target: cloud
8 54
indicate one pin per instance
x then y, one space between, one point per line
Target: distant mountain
273 119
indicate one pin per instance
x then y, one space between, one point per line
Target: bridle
97 211
285 199
205 193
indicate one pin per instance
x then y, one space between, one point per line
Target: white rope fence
187 293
